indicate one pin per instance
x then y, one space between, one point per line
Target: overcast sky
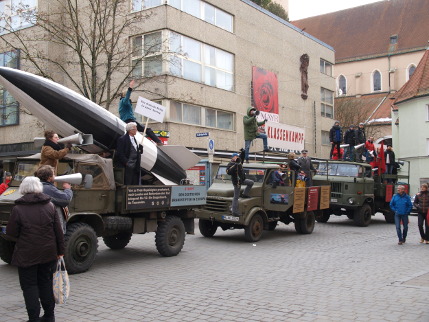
299 9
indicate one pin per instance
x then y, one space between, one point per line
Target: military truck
355 191
268 204
111 210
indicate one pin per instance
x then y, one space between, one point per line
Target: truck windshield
257 175
25 169
340 169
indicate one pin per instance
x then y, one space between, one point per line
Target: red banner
312 198
389 192
265 90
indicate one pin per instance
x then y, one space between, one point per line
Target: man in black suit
129 152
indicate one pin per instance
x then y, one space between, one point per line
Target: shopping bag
61 283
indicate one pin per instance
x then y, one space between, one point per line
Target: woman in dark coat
36 228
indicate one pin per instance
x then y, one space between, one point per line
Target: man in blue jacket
401 205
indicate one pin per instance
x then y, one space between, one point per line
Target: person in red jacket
371 154
5 184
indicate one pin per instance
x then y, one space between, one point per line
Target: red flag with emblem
381 160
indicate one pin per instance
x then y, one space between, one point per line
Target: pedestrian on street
350 140
421 202
251 131
401 205
5 184
305 163
235 170
35 227
336 137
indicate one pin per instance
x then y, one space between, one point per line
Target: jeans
247 143
36 283
237 188
349 153
401 235
423 231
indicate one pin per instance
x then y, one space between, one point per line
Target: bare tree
349 110
80 42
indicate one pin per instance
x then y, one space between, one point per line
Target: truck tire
170 236
6 250
253 231
207 227
81 247
362 215
389 216
305 224
118 241
322 215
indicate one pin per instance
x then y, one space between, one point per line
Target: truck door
279 197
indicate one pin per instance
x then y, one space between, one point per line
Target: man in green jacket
251 131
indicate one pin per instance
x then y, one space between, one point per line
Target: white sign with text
150 109
285 137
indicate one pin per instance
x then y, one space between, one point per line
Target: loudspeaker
73 139
75 178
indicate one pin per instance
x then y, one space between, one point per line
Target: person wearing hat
305 163
6 181
235 170
251 131
350 139
335 137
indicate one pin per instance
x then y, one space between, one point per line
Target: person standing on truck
389 160
60 199
5 184
360 139
421 202
251 131
401 205
370 152
126 113
35 227
306 166
235 170
129 152
350 140
336 137
52 151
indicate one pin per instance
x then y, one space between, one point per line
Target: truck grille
216 205
336 190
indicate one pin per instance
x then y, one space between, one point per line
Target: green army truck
355 191
110 209
267 206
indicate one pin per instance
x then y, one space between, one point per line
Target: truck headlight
351 201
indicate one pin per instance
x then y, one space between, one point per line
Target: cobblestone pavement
338 273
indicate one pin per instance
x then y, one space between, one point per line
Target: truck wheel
81 247
362 215
272 225
389 216
6 250
253 231
170 236
322 215
207 227
118 241
305 224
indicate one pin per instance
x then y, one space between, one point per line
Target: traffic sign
202 134
210 148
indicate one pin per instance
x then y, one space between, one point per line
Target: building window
410 71
138 5
17 14
205 11
327 106
342 85
325 138
203 116
169 52
9 107
376 81
325 67
393 39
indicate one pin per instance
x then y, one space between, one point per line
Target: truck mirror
88 181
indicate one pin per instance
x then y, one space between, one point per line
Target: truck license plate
334 200
231 218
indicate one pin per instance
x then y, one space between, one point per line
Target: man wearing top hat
305 163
